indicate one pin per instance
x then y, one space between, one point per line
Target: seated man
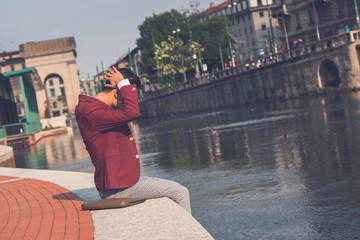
108 139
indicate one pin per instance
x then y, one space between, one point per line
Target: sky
103 29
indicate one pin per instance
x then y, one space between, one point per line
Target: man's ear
115 94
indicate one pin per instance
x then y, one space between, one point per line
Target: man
108 139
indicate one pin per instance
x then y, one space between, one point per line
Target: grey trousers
149 187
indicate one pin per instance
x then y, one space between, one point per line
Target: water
278 170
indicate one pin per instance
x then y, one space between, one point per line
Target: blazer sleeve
104 118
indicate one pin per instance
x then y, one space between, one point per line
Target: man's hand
114 76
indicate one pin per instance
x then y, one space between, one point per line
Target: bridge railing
305 49
19 129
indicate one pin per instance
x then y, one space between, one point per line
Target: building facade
305 22
7 103
250 28
55 61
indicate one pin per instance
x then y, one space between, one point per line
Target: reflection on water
280 170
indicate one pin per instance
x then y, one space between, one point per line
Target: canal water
276 170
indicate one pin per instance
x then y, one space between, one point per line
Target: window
12 68
17 99
259 2
243 18
239 32
65 110
56 113
263 27
249 17
23 66
251 29
61 81
245 30
52 92
64 103
54 104
51 82
261 14
62 91
238 20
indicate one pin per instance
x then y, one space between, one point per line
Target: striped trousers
149 187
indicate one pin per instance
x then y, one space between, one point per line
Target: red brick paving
34 209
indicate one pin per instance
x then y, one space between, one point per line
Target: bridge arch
329 74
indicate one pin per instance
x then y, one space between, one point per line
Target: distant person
110 143
346 28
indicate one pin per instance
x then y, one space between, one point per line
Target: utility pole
181 58
229 41
130 60
316 24
357 14
273 40
89 84
156 56
99 81
221 57
193 51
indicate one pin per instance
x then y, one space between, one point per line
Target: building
11 61
55 61
313 22
249 26
7 103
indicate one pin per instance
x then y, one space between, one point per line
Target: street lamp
181 59
286 35
273 40
316 24
357 14
230 6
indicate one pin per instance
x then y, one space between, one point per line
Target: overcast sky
103 29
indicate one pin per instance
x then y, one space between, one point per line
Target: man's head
127 73
111 95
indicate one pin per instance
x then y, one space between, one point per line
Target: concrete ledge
154 219
37 136
6 156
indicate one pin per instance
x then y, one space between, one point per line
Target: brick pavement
35 209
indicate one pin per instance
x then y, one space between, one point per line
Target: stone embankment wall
290 78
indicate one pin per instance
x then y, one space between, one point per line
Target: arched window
56 104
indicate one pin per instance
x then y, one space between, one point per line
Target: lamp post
357 14
316 24
230 5
193 52
286 36
181 59
156 56
273 40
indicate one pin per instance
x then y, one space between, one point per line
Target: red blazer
108 139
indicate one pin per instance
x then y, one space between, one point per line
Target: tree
175 57
157 29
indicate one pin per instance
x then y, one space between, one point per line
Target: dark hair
127 73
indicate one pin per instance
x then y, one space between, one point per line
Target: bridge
334 63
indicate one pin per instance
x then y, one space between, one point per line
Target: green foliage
175 57
207 36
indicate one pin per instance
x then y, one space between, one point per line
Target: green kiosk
24 85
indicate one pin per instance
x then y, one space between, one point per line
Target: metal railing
306 49
19 129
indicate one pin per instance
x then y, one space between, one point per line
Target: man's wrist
122 83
